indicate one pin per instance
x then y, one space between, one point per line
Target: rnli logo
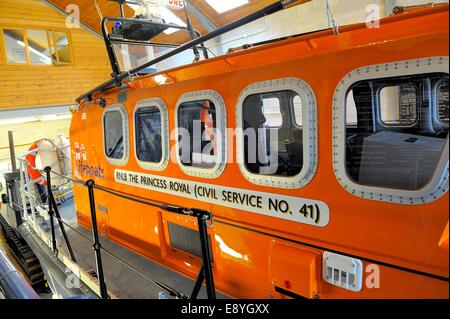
80 152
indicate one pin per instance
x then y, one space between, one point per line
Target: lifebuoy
34 173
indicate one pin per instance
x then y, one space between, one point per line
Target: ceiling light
222 6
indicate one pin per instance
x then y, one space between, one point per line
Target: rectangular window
148 134
273 140
113 134
37 47
62 47
197 134
399 148
398 104
15 46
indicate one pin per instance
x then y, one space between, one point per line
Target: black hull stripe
413 271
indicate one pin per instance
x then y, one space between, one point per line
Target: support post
61 226
97 246
12 151
50 207
198 283
202 218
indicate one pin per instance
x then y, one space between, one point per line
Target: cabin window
392 146
442 101
148 134
398 104
115 134
197 126
276 129
201 133
151 134
273 142
396 149
37 47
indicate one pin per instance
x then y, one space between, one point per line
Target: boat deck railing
204 221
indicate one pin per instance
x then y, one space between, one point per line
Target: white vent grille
342 271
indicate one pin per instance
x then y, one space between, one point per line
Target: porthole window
115 134
386 146
151 134
276 133
201 138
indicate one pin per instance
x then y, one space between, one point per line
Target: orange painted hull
248 248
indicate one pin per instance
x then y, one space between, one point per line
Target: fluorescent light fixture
170 17
222 6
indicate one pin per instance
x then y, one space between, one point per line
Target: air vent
342 271
186 239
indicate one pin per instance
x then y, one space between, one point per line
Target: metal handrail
204 220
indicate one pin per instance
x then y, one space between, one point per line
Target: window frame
309 128
25 41
67 33
50 39
126 138
158 103
221 121
438 185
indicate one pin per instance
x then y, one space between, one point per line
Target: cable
331 19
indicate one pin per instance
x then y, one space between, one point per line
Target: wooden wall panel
27 85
